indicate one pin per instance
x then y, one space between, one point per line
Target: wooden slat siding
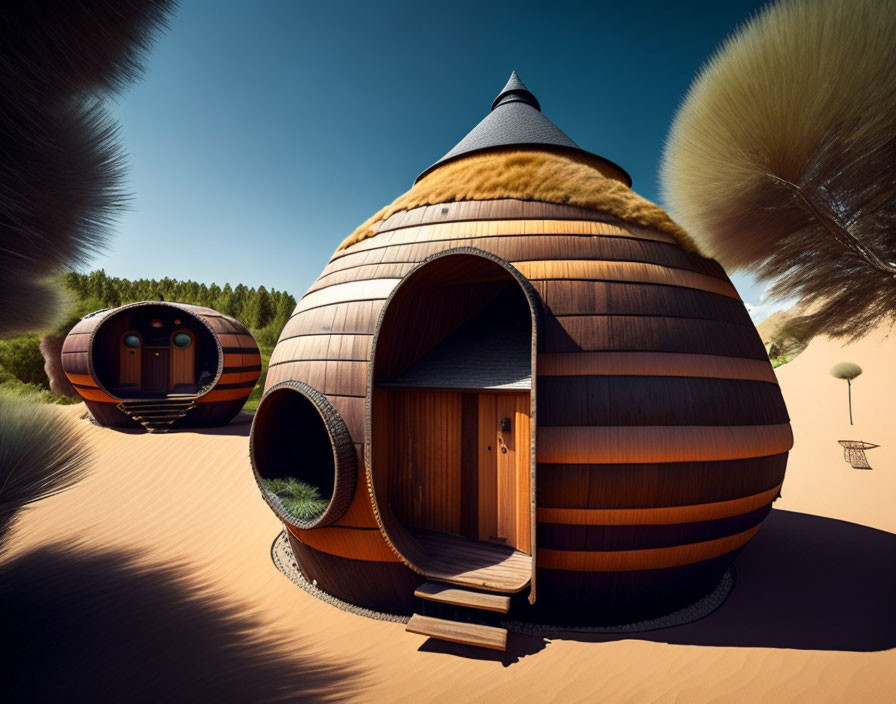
343 293
81 380
566 269
351 408
362 273
350 348
654 364
495 209
394 260
75 363
657 400
681 443
352 543
94 394
328 377
383 586
655 485
446 232
423 442
360 512
564 298
469 480
346 318
610 538
649 558
658 516
596 333
216 395
76 342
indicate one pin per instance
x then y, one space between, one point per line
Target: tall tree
782 158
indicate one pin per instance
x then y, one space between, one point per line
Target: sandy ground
152 580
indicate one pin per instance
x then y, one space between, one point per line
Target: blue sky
264 132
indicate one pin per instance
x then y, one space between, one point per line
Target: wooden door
155 369
129 359
504 470
183 358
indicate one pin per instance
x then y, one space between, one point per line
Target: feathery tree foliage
848 371
61 176
782 159
62 169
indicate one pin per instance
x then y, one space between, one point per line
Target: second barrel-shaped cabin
521 379
161 364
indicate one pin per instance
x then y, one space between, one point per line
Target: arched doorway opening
452 421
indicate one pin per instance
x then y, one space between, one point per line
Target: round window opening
303 456
131 341
182 339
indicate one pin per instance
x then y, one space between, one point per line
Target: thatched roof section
565 179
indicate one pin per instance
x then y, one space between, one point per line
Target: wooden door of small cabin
183 358
129 360
155 370
504 469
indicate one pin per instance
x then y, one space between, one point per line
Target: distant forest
263 311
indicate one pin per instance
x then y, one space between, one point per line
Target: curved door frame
534 303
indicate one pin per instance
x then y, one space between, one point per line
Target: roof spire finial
516 92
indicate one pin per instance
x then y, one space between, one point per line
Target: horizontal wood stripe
76 343
500 228
238 378
564 298
654 364
394 259
315 347
328 377
642 333
351 543
650 558
656 484
624 271
680 443
492 209
569 536
346 318
658 516
351 291
225 395
657 401
81 380
94 394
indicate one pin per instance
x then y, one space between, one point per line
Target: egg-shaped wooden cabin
521 379
161 365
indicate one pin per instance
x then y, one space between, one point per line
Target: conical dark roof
516 120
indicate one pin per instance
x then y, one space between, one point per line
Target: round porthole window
182 339
303 456
131 341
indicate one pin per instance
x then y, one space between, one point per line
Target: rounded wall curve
662 433
401 340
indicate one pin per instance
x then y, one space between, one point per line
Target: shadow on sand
95 626
804 582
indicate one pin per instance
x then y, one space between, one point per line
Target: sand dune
153 577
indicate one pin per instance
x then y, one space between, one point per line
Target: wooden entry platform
456 560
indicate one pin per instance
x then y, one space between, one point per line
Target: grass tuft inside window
302 500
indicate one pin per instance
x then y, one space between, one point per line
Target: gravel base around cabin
285 561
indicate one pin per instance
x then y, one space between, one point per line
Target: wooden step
446 594
457 632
